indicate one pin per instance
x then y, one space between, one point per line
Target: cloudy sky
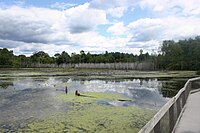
95 26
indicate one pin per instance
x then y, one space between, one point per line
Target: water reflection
164 87
146 93
5 83
27 98
170 87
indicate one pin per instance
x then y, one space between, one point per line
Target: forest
180 55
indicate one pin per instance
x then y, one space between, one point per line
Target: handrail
180 98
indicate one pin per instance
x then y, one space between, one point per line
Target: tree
6 57
41 57
62 58
141 56
75 58
172 55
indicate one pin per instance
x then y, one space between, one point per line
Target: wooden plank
190 120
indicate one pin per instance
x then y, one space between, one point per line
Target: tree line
181 55
8 59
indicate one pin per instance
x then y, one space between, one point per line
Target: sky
95 26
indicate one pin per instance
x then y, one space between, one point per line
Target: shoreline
94 73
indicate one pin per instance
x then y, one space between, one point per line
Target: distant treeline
8 59
181 55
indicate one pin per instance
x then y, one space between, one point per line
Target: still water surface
30 98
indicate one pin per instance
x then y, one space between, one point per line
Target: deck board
190 119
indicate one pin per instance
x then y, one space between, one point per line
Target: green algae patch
91 97
86 115
95 118
108 119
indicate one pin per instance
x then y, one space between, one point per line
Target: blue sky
96 26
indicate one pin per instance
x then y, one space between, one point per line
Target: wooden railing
165 119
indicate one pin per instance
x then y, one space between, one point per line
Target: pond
40 104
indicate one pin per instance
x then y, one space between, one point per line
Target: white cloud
31 24
105 4
148 46
42 27
93 39
149 33
27 29
145 29
116 8
185 7
179 28
191 7
117 29
29 48
62 5
117 11
83 19
155 5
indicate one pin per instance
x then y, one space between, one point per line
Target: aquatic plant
86 115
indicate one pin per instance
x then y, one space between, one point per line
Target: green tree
41 57
172 55
75 58
62 58
6 57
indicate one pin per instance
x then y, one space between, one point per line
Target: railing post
157 128
171 118
188 88
183 99
178 106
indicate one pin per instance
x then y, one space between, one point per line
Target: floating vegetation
91 97
86 115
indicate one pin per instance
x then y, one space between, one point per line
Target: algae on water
91 97
86 115
94 119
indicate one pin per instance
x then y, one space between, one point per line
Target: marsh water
26 99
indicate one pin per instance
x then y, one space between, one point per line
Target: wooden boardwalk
184 109
190 119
